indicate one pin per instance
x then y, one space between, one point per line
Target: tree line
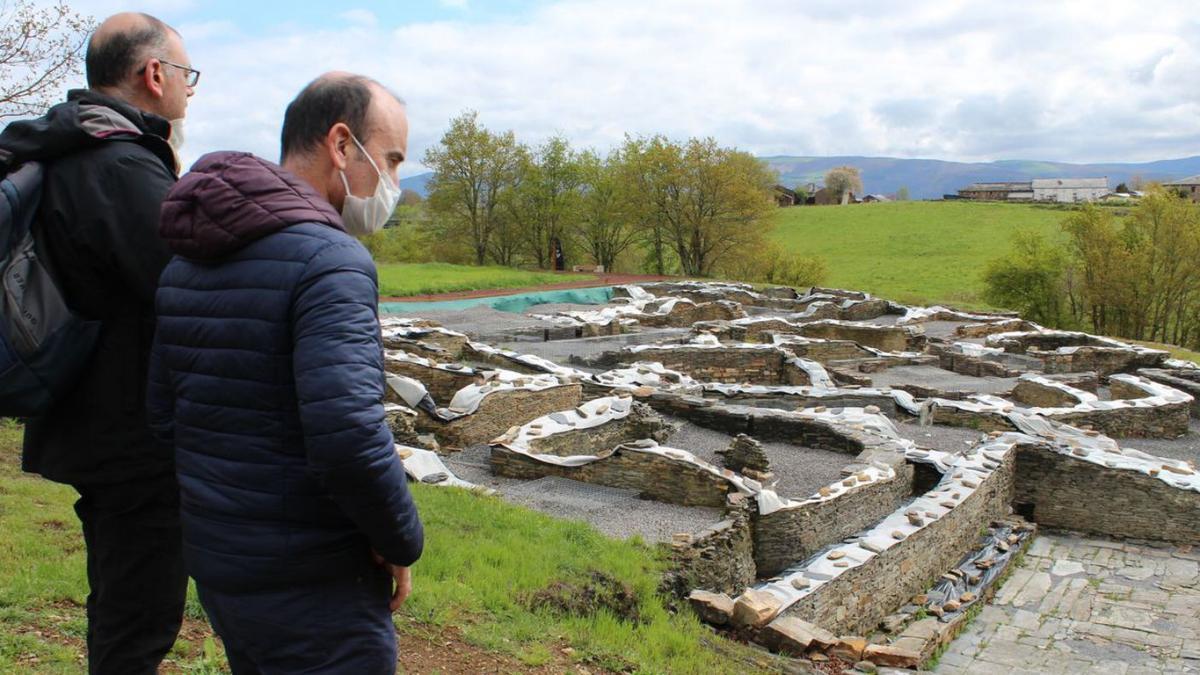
651 204
1136 276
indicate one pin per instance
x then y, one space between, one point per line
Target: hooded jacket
267 378
108 167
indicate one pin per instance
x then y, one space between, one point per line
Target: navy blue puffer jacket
267 377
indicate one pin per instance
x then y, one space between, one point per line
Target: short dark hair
322 104
110 61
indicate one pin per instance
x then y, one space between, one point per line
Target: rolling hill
932 178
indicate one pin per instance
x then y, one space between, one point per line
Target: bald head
332 98
121 44
343 133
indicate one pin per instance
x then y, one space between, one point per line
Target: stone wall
719 559
441 384
789 535
839 398
500 411
641 422
1187 381
1103 360
728 364
684 314
1168 420
885 338
973 366
856 600
763 424
822 351
653 475
1058 490
1036 394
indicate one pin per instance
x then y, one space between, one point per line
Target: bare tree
39 50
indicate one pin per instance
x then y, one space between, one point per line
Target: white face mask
363 216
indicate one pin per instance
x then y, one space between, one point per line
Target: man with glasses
110 155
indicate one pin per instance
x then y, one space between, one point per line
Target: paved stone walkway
1081 605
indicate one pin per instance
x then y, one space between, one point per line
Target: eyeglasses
192 75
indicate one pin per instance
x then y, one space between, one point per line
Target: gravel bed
615 512
800 471
481 322
939 378
1186 447
938 437
560 351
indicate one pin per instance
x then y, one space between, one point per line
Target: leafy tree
649 178
1121 187
604 227
902 194
39 50
1030 279
843 180
473 169
546 200
801 194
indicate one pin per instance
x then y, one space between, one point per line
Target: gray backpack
44 346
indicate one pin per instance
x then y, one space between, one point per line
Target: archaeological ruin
833 475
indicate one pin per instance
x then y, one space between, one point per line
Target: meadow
912 252
406 279
472 609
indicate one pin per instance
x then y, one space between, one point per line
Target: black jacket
108 169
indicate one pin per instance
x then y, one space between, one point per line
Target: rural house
1188 187
784 196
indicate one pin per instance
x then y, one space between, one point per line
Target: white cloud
453 4
968 81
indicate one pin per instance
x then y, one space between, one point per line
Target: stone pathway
1081 605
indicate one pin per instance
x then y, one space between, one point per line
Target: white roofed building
1069 189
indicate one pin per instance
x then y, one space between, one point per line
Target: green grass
913 252
404 279
483 559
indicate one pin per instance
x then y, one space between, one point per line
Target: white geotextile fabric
1104 451
1157 395
466 400
422 464
410 390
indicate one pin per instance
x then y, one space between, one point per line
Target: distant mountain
932 178
416 183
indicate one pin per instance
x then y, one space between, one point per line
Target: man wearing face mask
109 159
267 378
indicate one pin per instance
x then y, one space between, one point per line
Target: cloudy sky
946 79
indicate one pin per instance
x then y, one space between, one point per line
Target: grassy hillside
918 252
474 606
404 279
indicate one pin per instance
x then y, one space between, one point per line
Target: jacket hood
86 119
232 199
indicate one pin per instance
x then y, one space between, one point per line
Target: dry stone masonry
907 520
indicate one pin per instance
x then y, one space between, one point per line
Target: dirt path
600 280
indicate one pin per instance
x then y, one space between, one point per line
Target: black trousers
135 572
340 627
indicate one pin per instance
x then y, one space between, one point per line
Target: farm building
1069 189
784 196
875 198
1189 187
998 191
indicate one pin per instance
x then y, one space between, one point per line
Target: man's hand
402 577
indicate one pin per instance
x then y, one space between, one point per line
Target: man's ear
154 77
336 142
